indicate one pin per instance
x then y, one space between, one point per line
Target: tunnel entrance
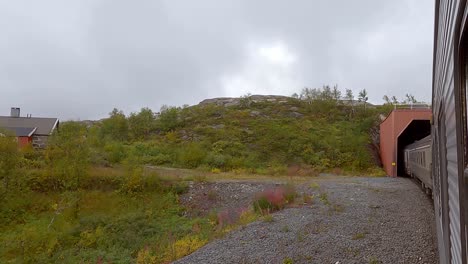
416 130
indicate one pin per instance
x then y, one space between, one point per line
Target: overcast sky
78 59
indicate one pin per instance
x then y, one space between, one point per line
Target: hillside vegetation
254 134
88 198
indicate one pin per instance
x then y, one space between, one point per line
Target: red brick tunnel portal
400 128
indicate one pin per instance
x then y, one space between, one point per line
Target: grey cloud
79 59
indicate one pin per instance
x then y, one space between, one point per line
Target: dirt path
351 220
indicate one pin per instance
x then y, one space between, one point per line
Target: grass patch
102 222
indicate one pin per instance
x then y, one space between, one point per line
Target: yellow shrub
247 217
90 238
215 170
186 246
144 256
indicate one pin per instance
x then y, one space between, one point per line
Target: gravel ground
205 197
350 220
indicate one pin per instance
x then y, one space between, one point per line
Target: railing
412 106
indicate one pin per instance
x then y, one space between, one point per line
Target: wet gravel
350 220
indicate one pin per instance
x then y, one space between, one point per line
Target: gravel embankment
351 220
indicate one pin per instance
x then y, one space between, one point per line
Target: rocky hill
259 134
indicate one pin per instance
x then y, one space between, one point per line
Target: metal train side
449 129
418 161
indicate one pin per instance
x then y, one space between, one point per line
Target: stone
295 114
254 113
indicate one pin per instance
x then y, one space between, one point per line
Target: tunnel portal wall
390 130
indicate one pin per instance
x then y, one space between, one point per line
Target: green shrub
159 159
216 160
191 155
115 151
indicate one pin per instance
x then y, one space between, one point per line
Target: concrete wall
390 130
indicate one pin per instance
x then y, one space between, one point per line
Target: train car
418 161
449 129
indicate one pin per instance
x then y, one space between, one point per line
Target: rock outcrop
235 101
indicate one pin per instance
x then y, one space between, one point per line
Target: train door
441 185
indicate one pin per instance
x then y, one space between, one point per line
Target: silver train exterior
418 161
449 129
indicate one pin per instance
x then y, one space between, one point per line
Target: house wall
24 141
39 141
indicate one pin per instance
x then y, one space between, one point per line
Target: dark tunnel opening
416 130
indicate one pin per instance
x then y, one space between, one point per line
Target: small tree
115 127
141 124
245 100
168 118
336 93
363 97
310 94
394 100
410 99
386 99
67 156
350 97
326 93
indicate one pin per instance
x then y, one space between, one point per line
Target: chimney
15 112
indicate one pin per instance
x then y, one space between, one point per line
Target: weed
285 229
354 252
308 199
300 236
359 236
268 218
324 198
314 185
247 216
316 228
200 178
212 195
263 206
274 199
288 261
374 260
338 208
290 193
